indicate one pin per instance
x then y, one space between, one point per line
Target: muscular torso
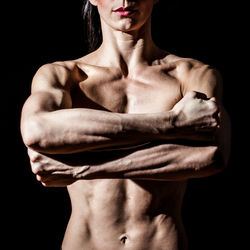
113 214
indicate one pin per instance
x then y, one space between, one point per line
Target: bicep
204 79
47 95
48 91
45 101
209 81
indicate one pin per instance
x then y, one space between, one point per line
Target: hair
92 25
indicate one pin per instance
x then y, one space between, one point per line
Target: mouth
124 11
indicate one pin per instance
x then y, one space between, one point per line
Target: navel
123 239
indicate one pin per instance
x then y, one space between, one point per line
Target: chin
128 26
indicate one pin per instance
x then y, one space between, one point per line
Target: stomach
118 214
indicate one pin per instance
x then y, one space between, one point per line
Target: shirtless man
124 128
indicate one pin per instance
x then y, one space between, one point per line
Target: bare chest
143 95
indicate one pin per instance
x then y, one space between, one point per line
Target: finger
213 99
34 156
39 177
37 169
45 178
213 105
57 182
206 129
216 114
191 94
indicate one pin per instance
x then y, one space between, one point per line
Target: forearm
77 130
162 162
170 160
166 162
50 127
186 159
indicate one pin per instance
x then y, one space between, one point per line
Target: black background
39 32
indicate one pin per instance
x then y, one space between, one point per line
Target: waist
148 233
113 214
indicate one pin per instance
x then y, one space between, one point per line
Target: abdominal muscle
113 214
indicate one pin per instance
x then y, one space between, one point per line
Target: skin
124 128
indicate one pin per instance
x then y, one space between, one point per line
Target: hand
54 171
196 112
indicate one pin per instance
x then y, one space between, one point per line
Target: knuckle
34 156
45 184
37 169
39 177
214 107
214 124
43 179
191 94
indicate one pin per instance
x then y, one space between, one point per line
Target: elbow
220 160
31 131
223 141
215 162
222 153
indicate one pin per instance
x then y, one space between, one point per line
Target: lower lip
124 12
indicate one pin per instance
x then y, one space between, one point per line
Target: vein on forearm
158 162
80 129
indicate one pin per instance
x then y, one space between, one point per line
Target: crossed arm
60 138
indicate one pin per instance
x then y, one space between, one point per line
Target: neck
127 49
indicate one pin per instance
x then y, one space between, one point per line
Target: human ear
93 2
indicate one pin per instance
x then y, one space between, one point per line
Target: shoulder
195 75
55 70
57 74
184 65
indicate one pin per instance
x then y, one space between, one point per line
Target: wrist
167 122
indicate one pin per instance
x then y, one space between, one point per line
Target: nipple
123 239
